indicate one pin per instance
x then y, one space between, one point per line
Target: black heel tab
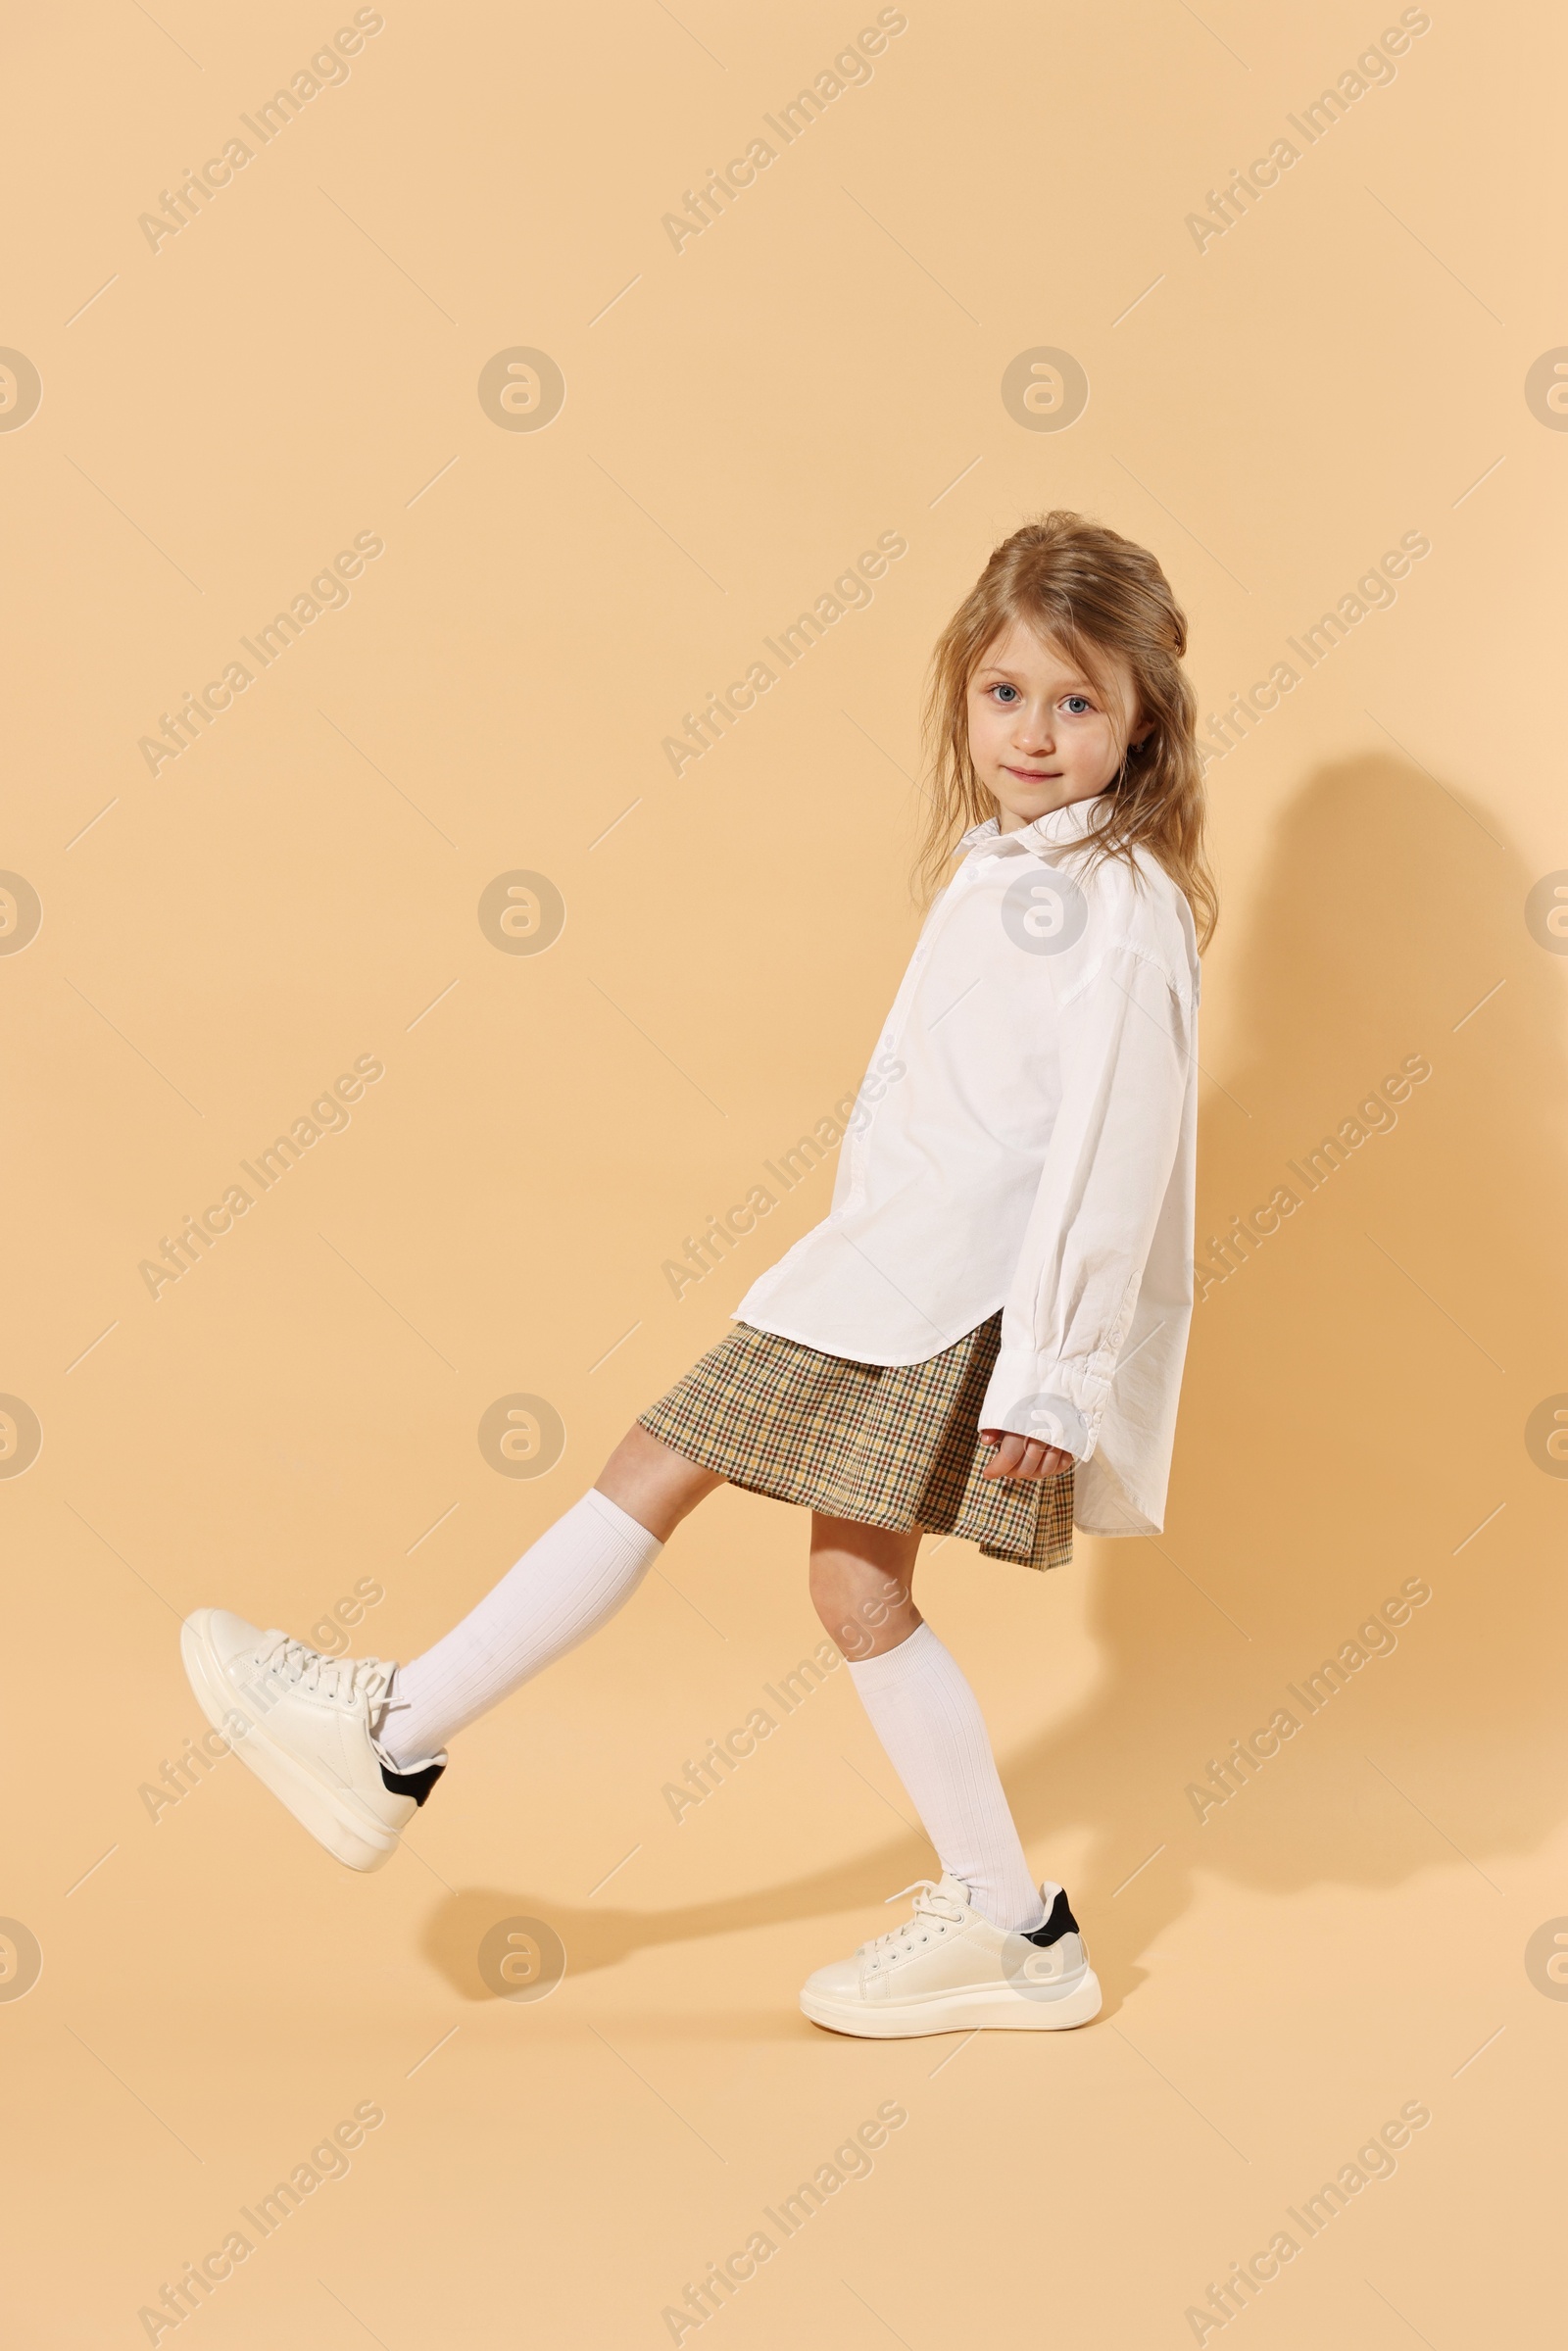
1060 1923
416 1784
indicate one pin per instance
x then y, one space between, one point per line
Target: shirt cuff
1033 1397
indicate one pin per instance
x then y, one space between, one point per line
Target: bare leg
862 1583
653 1483
923 1711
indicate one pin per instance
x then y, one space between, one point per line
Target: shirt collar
1057 825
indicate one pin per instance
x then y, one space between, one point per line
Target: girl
985 1335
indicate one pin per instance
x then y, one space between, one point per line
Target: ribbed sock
565 1587
929 1720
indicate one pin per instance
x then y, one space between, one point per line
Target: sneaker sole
327 1811
957 2012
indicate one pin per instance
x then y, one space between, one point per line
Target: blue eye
1005 688
1083 702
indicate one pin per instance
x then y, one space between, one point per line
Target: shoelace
930 1902
341 1679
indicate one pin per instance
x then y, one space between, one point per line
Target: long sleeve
1025 1147
1126 1037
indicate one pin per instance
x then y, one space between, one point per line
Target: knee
864 1609
827 1596
654 1483
634 1452
842 1626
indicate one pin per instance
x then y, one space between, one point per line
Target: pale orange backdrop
193 425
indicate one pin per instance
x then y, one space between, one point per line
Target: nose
1032 732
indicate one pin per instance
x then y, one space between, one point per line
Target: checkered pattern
888 1445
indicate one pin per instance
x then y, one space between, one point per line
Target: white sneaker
302 1722
947 1969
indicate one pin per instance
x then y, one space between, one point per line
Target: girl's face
1040 734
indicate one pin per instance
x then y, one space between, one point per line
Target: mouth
1034 775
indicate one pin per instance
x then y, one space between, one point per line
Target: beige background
299 1412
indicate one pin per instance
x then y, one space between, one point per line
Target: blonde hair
1093 593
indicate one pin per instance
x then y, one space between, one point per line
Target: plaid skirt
886 1445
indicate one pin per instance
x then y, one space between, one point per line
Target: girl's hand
1022 1456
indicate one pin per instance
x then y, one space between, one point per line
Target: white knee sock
564 1588
929 1720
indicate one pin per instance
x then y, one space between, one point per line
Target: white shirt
1027 1137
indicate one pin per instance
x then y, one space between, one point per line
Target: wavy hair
1096 595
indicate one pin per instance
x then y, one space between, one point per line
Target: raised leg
653 1483
574 1578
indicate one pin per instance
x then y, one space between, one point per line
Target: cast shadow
1348 1418
1325 1410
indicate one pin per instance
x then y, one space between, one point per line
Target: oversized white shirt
1027 1137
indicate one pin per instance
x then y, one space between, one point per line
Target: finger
1040 1460
1029 1459
1008 1450
1022 1458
